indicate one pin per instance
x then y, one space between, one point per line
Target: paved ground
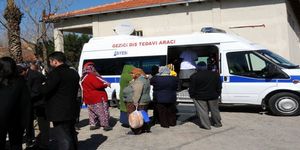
244 128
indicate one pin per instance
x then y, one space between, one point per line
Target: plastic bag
136 119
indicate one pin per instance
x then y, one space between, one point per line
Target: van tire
284 104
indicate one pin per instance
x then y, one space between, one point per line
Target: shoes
92 127
147 131
125 125
108 128
218 125
130 133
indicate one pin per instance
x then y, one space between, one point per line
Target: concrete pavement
244 128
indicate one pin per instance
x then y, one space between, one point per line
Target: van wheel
284 104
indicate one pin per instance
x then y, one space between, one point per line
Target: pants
203 107
29 134
124 118
65 135
146 126
166 114
15 134
99 114
42 139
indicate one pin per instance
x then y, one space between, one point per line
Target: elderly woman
137 95
95 96
124 82
164 91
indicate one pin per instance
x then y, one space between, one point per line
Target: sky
68 5
74 4
81 4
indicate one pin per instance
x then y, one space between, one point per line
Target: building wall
264 22
293 35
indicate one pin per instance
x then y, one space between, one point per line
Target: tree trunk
13 16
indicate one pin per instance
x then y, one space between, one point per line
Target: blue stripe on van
239 79
112 79
234 79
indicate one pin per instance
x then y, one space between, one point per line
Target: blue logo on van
116 53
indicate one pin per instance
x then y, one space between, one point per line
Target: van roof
185 39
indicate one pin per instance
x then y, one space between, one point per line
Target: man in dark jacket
205 89
34 80
61 89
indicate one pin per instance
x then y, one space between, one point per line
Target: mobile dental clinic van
250 73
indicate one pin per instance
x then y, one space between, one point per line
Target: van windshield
277 59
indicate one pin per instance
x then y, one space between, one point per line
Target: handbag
136 119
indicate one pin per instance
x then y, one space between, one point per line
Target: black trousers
166 114
15 133
29 134
42 139
65 135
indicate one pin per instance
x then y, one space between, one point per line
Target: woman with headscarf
164 91
95 96
124 81
137 96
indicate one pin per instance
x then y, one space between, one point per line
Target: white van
251 74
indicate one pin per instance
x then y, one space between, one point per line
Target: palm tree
13 16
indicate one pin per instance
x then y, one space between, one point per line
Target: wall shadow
92 143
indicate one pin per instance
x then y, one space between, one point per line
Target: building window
137 33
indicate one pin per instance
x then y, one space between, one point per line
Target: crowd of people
27 94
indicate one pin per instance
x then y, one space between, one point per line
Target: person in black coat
164 92
61 90
34 80
205 89
15 104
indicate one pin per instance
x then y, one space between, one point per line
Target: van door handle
225 78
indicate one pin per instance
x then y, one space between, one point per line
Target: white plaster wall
272 14
160 21
184 19
294 36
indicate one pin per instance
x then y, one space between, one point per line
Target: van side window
246 64
114 66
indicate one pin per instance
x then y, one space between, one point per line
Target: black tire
284 104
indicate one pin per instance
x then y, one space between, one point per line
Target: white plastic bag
136 119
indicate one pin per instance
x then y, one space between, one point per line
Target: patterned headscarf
138 72
163 71
89 67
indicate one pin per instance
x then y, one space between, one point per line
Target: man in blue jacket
205 89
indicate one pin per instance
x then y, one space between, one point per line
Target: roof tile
122 5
